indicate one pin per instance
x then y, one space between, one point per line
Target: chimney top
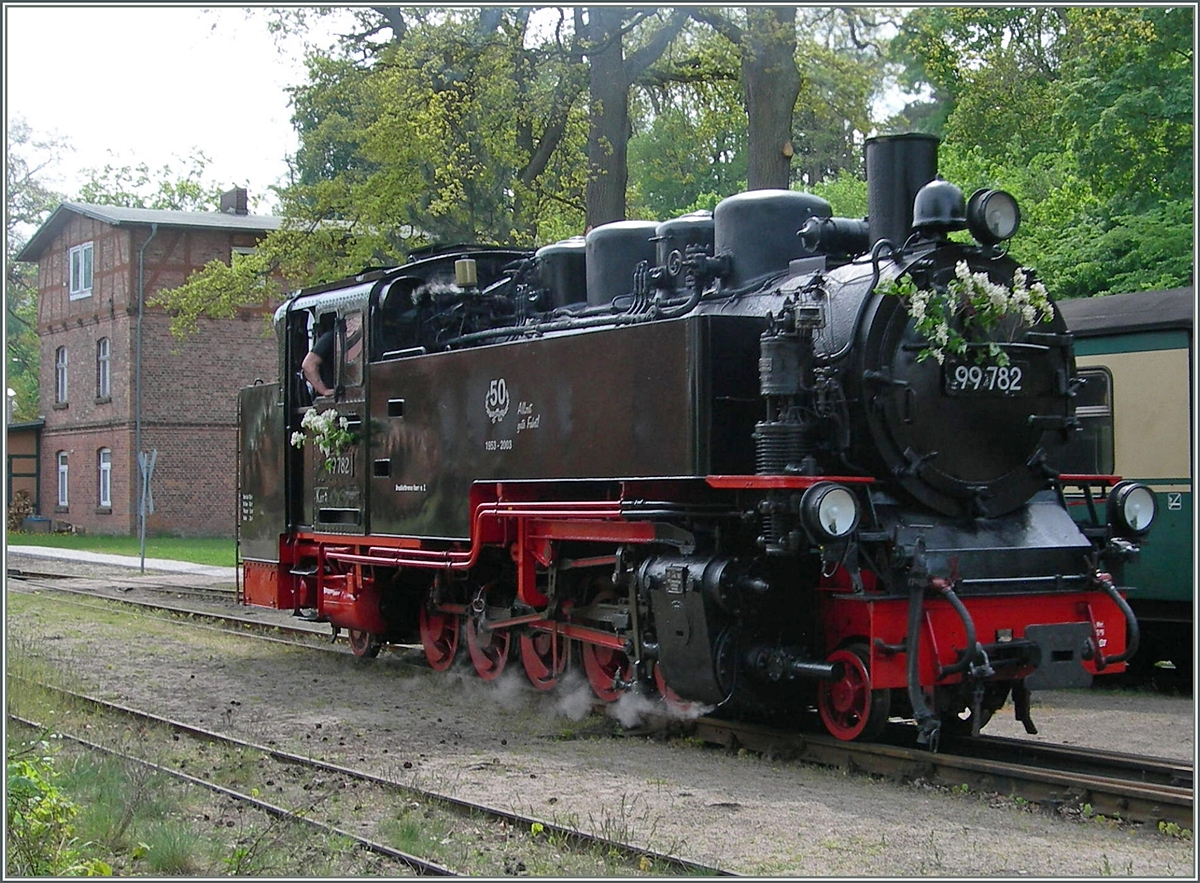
235 202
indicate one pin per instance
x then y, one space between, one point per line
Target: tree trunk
608 116
772 83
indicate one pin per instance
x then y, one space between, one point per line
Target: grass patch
213 551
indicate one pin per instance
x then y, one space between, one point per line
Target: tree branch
637 62
719 23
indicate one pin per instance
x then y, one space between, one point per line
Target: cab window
350 344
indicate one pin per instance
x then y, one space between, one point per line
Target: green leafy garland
970 306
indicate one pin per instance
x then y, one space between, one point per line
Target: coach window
1090 452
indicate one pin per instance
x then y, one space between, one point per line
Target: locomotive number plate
971 379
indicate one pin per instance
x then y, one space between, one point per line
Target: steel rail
675 863
418 864
1049 785
257 624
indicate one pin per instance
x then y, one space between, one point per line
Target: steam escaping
432 291
634 708
573 697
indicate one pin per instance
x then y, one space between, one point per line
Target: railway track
180 586
420 865
578 839
1135 788
224 621
1132 787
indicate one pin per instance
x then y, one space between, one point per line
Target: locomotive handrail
1082 479
783 482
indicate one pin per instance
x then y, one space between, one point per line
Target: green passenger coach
1136 413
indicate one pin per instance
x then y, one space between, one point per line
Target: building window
81 270
62 479
105 473
60 376
103 377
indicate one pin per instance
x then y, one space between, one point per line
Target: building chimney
235 202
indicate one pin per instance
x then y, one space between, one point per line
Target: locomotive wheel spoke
439 638
606 670
364 643
488 649
544 656
849 708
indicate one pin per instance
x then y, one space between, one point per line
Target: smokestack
897 167
235 202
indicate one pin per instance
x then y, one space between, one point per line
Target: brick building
97 266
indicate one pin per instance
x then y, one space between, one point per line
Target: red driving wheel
849 708
439 637
364 643
607 669
489 649
544 656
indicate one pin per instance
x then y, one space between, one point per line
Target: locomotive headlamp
1131 508
830 511
992 216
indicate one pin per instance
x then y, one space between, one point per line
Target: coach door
339 503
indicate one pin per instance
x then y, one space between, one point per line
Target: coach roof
1137 311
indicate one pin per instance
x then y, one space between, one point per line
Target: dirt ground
552 756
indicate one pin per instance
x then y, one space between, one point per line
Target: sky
126 85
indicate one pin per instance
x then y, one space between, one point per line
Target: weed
170 848
1171 829
39 833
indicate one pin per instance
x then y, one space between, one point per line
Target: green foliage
218 289
27 204
40 835
846 194
1085 115
840 76
140 187
441 139
689 147
1128 91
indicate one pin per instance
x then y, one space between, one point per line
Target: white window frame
63 479
104 470
81 267
60 376
103 367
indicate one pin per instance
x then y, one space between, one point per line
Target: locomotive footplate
1063 647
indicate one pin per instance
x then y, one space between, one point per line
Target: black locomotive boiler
723 459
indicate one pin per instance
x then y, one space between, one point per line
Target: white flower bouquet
330 432
971 306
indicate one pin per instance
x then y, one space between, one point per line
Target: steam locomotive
722 460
